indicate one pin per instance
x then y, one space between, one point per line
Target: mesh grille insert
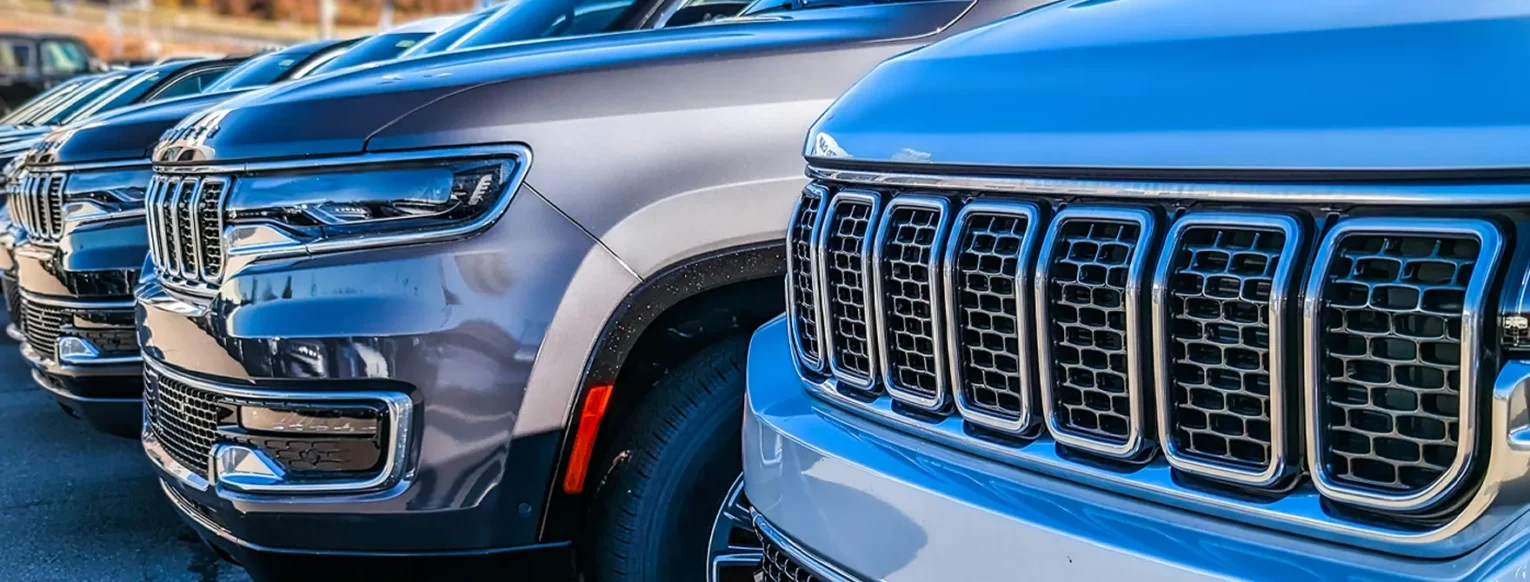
987 313
777 566
907 295
845 275
1219 293
1086 288
185 419
804 294
1391 374
42 326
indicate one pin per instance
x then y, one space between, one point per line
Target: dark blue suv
1160 290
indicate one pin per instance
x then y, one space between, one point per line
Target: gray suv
493 302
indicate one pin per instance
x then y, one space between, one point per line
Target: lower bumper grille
184 419
42 325
777 566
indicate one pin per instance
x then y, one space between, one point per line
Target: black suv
31 63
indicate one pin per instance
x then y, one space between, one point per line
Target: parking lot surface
81 506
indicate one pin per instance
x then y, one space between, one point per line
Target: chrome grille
1207 304
1397 326
185 228
989 303
184 419
1090 269
38 206
906 294
802 281
1220 292
42 325
845 247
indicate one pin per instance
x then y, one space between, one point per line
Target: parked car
1187 290
494 300
30 63
78 244
107 92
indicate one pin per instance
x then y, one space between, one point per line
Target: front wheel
670 503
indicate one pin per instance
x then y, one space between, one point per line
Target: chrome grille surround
802 281
1128 401
1473 306
185 229
1275 315
38 206
906 295
972 343
844 249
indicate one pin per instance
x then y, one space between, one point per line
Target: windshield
262 70
378 48
444 40
123 95
777 5
531 19
43 102
81 99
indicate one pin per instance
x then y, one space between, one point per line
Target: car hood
342 113
1334 86
127 133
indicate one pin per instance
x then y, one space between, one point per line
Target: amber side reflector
584 440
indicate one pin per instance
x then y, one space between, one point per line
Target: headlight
344 206
111 193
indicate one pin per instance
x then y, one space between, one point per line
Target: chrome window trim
1296 194
803 362
1137 385
1281 288
1026 421
395 473
875 201
1474 307
879 224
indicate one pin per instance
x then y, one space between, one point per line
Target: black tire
671 465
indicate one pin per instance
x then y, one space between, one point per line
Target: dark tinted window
41 103
15 57
61 57
378 48
189 84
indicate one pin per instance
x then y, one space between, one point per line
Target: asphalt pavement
82 506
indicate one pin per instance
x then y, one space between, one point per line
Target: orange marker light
584 439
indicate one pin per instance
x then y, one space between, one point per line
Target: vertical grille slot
209 214
1220 295
185 218
1088 313
802 281
908 295
1393 319
988 299
778 566
845 248
38 205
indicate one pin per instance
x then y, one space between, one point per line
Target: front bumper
452 327
877 503
80 342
